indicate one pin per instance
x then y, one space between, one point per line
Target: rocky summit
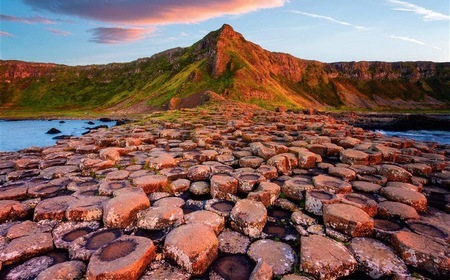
223 64
227 191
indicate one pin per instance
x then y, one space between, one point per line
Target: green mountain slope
225 63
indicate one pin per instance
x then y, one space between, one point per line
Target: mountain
222 65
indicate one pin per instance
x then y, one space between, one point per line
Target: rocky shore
227 192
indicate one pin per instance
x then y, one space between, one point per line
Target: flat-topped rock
348 219
316 199
395 173
87 209
325 258
121 211
12 210
160 217
30 269
233 242
413 198
83 247
65 270
361 201
53 208
124 258
151 183
351 156
25 247
421 252
377 259
193 247
398 210
208 218
222 185
278 255
67 232
331 184
364 186
249 217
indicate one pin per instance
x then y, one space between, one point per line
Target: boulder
348 219
278 255
249 217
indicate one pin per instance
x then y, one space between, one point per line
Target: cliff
226 63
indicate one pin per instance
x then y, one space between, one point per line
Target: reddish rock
308 159
392 209
124 258
199 173
325 258
233 242
222 185
421 252
87 209
278 255
12 210
249 217
377 259
283 163
361 201
83 247
251 161
368 187
151 183
160 217
350 156
316 199
112 153
262 271
25 247
407 196
247 181
342 172
395 173
53 208
331 184
121 211
160 161
193 247
348 219
295 188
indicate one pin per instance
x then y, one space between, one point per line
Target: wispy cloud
58 32
27 20
153 12
117 35
411 40
332 20
6 34
426 14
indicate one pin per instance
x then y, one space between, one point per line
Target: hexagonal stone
53 208
283 163
213 220
89 208
124 258
251 161
65 270
377 259
316 199
12 210
344 173
278 255
308 159
160 217
161 160
262 271
193 247
162 269
331 184
121 211
360 201
248 217
233 242
350 156
222 185
421 252
178 186
199 188
348 219
151 183
82 248
406 196
25 247
295 188
65 233
27 228
395 173
325 258
30 268
248 180
199 172
109 187
392 209
13 192
364 186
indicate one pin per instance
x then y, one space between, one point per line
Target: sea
17 135
438 136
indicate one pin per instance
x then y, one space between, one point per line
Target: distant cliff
226 63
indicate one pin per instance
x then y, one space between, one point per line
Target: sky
81 32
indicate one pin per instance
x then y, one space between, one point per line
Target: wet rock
151 183
395 173
25 247
392 209
199 188
53 131
87 209
83 247
208 218
65 233
53 208
278 255
121 211
437 232
385 229
161 217
107 188
65 270
423 253
377 259
231 267
249 217
348 219
222 185
124 258
193 247
413 198
233 242
325 258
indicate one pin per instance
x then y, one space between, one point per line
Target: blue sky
80 32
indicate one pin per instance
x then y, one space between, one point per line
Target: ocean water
438 136
16 135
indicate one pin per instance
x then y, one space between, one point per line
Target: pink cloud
6 34
58 32
153 12
28 20
117 35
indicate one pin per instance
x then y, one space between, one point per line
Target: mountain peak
227 31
